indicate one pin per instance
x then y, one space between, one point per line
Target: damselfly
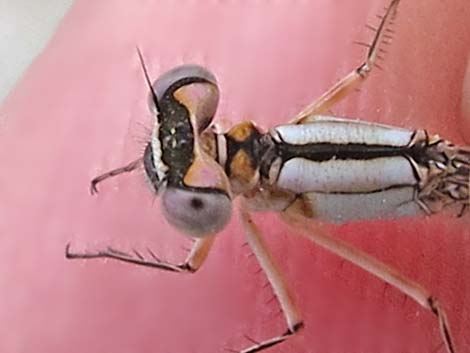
317 167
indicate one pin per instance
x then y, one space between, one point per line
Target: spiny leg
356 77
282 293
194 260
388 274
112 173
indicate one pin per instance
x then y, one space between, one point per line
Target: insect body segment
196 197
336 164
448 176
334 171
240 151
187 102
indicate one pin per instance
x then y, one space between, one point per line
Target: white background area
25 28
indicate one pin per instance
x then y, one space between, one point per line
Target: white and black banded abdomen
348 170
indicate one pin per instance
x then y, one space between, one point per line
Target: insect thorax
430 173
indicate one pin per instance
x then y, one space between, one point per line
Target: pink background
81 110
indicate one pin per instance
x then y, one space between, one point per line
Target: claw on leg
195 259
111 253
374 266
443 324
275 279
126 169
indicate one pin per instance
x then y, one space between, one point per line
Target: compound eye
183 72
150 169
196 213
193 87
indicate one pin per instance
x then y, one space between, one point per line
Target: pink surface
466 101
82 109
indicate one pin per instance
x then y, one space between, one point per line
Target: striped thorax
333 165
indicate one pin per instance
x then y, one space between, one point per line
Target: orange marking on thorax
242 131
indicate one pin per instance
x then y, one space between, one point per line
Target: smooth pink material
81 110
466 102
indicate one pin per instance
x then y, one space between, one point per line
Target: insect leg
193 262
374 266
126 169
356 77
283 295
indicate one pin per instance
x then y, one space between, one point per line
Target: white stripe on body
343 208
342 132
160 167
300 175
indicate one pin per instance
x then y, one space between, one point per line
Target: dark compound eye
167 79
193 87
196 213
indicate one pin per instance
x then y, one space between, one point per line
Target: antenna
144 68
